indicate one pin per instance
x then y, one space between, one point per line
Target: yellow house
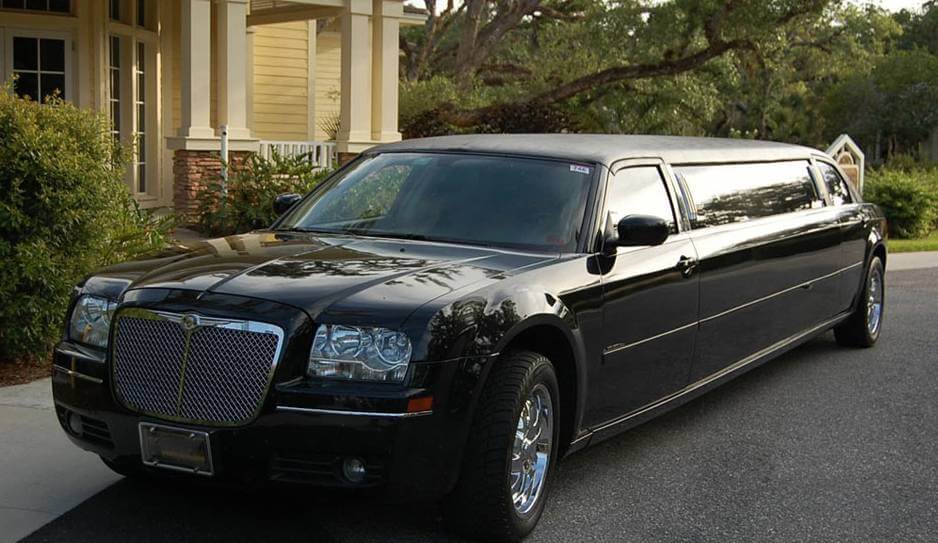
307 75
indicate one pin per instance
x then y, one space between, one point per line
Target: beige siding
281 81
213 82
327 84
173 27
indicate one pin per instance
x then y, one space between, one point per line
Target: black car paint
640 329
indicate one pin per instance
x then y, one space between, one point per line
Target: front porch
234 74
295 76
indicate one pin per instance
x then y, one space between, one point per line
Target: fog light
354 470
74 424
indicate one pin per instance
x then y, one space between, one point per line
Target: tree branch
450 114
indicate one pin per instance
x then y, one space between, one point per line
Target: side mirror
284 202
640 230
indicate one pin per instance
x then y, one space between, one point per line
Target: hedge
64 211
907 197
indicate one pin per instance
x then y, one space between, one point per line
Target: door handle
687 265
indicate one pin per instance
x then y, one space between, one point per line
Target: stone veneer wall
193 170
344 158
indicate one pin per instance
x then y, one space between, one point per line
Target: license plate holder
179 449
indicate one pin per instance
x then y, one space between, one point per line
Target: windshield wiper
419 237
308 230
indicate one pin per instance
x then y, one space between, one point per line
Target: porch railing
320 153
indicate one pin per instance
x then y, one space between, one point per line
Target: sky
891 5
896 5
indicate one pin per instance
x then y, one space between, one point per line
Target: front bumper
304 431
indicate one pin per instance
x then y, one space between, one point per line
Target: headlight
359 354
91 320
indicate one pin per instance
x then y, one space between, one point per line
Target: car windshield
459 198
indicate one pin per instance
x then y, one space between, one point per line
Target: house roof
606 149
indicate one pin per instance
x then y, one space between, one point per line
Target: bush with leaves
907 198
252 186
64 211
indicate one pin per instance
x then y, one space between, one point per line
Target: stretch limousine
446 318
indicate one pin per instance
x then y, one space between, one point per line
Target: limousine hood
347 278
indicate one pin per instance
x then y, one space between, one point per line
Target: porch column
355 114
231 69
384 70
196 64
250 77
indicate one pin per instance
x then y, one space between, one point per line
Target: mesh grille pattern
150 364
222 379
226 374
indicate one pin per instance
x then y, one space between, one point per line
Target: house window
39 67
114 87
140 117
134 91
54 6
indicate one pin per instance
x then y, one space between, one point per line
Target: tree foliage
894 106
739 68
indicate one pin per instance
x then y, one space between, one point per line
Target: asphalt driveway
823 444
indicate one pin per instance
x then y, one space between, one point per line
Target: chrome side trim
806 284
737 366
610 349
77 375
318 411
623 346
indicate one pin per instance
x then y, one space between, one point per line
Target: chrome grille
191 368
147 377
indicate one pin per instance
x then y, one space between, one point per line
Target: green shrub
252 187
907 199
64 211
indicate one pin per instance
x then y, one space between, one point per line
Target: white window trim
8 33
130 35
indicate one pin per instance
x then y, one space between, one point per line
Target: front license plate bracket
174 448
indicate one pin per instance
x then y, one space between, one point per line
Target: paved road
823 444
41 477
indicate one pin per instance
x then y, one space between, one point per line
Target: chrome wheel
874 301
530 455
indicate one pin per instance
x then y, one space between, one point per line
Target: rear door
854 226
650 300
769 253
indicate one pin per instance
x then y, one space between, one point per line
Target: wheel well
880 251
553 344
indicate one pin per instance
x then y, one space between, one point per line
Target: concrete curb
912 261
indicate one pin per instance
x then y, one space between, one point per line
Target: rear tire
862 328
504 481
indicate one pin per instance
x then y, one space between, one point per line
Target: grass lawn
928 243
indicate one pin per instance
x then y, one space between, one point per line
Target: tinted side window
728 193
836 186
640 191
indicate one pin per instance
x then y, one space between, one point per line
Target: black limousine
446 318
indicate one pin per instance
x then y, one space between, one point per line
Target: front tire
862 328
511 452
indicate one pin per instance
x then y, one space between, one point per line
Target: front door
650 302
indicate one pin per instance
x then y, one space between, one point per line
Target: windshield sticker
579 169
